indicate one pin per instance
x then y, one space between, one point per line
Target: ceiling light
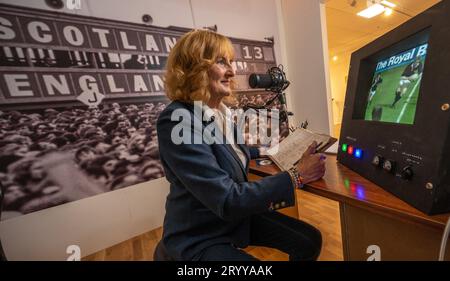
372 11
388 4
376 7
335 58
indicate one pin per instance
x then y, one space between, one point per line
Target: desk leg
396 238
344 231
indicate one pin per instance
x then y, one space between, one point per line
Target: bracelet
296 178
293 180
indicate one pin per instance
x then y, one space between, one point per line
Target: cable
403 13
192 14
444 241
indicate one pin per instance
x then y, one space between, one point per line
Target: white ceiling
348 32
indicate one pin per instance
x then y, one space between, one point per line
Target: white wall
101 221
93 223
249 19
307 63
339 74
163 12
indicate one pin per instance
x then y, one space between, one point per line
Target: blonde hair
187 67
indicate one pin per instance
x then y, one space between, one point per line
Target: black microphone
260 81
274 80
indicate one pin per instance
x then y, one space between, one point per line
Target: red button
350 150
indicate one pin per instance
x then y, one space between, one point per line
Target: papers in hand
287 153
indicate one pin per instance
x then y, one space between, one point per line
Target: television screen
395 87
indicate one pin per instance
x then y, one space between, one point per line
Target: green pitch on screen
405 110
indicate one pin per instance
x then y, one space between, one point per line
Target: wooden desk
372 216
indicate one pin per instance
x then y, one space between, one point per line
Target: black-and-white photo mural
79 100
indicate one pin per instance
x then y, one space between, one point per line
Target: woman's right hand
311 166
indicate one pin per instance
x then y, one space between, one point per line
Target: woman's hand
312 165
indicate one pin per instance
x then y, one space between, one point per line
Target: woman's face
220 75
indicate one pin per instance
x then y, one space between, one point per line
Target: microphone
274 80
260 81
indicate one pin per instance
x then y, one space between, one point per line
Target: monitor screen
395 87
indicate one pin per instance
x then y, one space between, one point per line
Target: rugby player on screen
412 73
373 89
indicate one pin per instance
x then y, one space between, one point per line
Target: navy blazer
210 199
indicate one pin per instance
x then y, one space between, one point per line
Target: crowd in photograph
112 146
98 149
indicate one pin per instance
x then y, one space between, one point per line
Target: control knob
407 173
389 166
377 161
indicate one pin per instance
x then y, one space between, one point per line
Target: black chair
2 254
160 253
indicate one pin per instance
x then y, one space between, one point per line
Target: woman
212 211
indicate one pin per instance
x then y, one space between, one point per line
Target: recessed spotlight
388 4
146 18
372 11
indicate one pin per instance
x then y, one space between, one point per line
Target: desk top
344 185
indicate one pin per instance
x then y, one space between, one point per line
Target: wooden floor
318 211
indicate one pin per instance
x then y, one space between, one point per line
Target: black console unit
396 123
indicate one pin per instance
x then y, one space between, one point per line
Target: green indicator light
344 147
347 183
